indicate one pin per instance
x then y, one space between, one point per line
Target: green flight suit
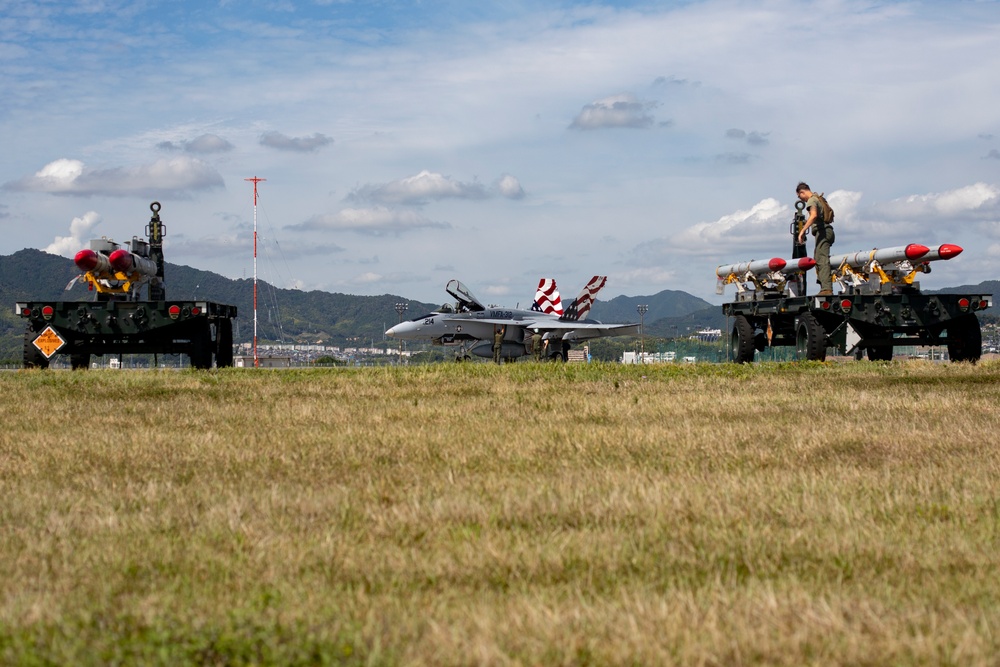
825 237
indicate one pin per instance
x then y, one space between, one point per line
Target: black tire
880 353
224 343
79 362
965 339
810 339
741 343
201 347
33 358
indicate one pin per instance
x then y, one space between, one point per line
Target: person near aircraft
497 343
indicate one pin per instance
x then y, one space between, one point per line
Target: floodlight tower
642 309
255 181
400 309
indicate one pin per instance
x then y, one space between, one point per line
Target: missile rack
879 307
856 324
116 322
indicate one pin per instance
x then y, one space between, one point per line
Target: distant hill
668 303
282 314
310 317
986 287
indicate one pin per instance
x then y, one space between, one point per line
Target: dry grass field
788 514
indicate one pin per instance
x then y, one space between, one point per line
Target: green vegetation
294 316
527 513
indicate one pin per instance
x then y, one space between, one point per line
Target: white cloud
641 276
79 234
419 189
760 223
623 110
508 186
206 144
177 175
377 221
295 144
970 202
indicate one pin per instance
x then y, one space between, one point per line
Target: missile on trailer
858 260
798 265
945 251
90 261
756 267
126 262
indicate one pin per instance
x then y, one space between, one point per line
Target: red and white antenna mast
255 181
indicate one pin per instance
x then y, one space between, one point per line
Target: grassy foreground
526 514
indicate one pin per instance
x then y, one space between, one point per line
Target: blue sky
407 143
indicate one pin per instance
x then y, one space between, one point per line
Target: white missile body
799 265
756 267
94 262
863 258
126 262
945 251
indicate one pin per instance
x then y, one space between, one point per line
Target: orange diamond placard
49 342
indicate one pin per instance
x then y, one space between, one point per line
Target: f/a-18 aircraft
469 323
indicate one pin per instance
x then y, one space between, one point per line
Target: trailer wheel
79 362
224 343
33 358
201 346
880 353
965 339
810 339
741 342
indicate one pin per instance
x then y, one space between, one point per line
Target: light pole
642 309
400 309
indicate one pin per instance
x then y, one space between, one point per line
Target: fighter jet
472 325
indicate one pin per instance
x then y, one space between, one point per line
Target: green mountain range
295 316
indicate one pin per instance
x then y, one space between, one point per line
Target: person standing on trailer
820 221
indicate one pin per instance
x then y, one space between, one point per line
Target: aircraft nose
391 332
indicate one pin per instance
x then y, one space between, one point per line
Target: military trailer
116 322
880 306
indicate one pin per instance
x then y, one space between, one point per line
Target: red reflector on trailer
195 310
26 312
825 305
963 303
48 312
174 311
845 304
983 304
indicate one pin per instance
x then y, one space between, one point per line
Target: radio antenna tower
255 181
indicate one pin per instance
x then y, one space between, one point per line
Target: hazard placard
49 342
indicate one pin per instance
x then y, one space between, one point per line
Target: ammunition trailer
858 324
116 322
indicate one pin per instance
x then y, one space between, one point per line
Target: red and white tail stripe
584 302
547 297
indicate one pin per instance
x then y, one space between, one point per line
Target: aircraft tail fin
580 307
547 299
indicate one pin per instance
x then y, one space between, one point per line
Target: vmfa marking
49 342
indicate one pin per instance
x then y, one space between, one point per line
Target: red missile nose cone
86 260
776 264
916 251
807 263
949 250
120 260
